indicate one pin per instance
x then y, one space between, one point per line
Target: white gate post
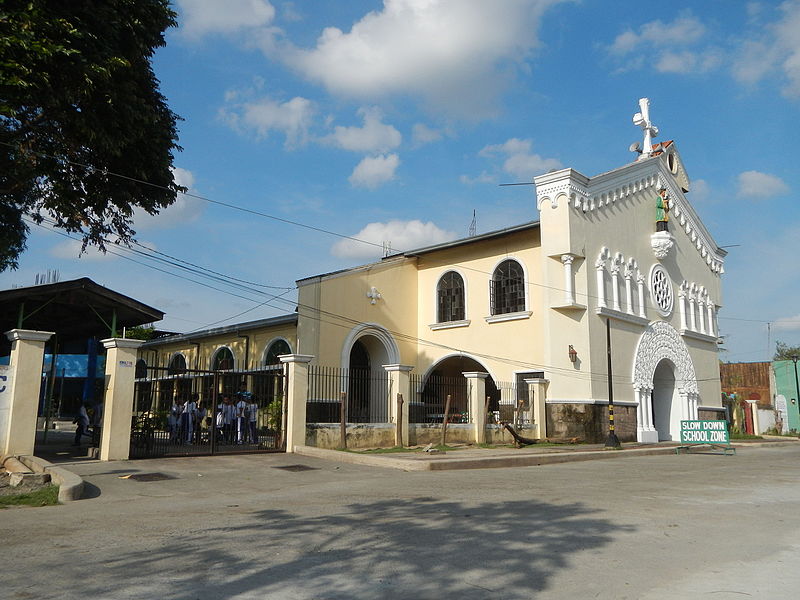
115 443
537 397
399 383
20 399
477 403
296 398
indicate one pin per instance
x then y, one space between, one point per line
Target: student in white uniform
252 418
241 419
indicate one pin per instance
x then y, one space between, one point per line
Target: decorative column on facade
711 325
629 287
569 288
115 443
682 304
19 391
640 289
399 383
701 310
477 403
600 266
692 310
537 397
645 431
615 267
296 398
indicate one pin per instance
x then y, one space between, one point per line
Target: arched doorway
367 349
446 378
664 383
666 404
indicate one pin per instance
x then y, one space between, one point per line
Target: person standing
188 415
241 419
82 422
252 420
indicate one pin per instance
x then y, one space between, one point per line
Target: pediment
668 153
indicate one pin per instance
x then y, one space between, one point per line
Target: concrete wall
589 422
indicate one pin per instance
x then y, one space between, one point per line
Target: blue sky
392 121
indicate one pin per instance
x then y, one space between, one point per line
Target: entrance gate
184 412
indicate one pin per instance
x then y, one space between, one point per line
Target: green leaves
80 104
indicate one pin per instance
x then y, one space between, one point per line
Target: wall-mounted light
573 354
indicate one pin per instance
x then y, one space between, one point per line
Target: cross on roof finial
642 119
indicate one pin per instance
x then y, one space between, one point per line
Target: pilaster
115 443
296 398
477 403
399 383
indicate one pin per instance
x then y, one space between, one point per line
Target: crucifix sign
642 119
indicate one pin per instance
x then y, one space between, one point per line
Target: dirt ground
23 488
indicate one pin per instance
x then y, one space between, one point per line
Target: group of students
184 420
236 420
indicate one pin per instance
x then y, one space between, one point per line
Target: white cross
642 119
374 295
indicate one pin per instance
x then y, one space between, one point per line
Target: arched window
275 349
507 288
450 298
177 365
223 360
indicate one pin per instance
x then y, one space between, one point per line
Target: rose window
661 290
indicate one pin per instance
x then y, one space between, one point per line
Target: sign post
710 433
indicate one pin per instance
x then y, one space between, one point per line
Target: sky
312 122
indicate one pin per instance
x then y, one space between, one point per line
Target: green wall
785 385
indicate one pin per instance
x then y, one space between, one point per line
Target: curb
70 486
487 462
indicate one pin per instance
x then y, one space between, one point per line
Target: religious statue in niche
662 210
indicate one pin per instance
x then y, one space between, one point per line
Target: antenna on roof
474 225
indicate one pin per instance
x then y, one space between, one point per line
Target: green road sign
704 432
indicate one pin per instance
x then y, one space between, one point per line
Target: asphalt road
697 526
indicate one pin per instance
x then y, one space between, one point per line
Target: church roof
464 241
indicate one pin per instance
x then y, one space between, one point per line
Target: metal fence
365 393
196 412
507 406
430 397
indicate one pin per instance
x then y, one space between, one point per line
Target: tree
85 134
140 332
785 351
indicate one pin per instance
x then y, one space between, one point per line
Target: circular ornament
661 290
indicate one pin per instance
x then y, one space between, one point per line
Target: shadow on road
420 548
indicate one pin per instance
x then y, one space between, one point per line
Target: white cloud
185 209
520 161
484 177
71 249
421 134
754 184
684 30
700 191
665 46
293 118
455 54
374 171
401 235
374 136
201 17
788 323
776 48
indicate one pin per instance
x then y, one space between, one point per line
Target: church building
619 260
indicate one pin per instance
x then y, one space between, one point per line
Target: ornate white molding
621 316
658 342
449 325
515 316
662 242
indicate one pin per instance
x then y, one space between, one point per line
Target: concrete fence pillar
19 401
296 398
115 442
477 403
399 383
537 397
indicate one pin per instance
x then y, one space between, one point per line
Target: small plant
274 415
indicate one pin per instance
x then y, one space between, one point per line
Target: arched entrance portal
664 383
665 400
367 349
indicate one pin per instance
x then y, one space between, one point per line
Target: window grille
507 288
450 295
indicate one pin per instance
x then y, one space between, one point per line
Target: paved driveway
700 526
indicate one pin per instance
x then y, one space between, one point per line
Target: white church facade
530 306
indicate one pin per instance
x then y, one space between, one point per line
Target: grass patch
745 436
44 497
